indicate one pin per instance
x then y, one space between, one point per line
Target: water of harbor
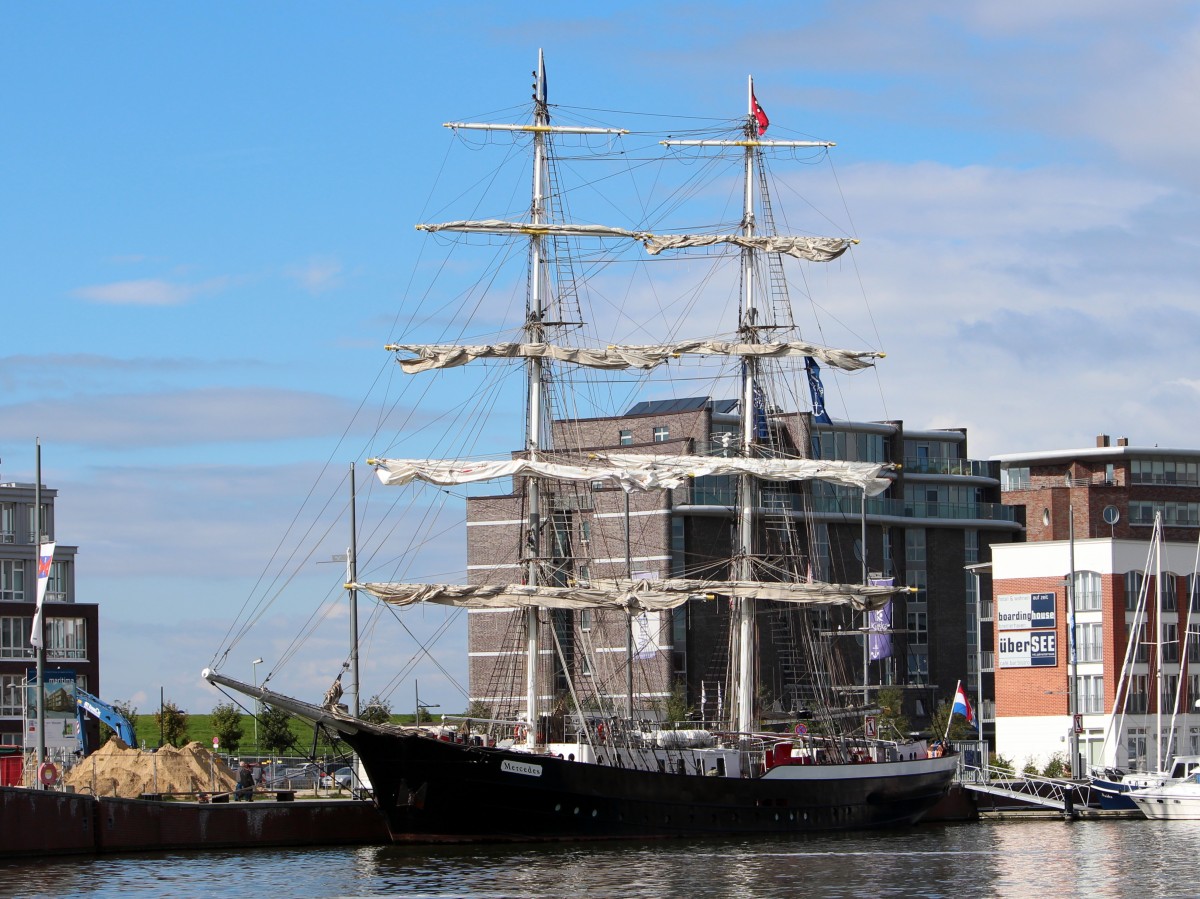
1025 858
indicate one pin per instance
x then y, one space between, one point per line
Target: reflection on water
1026 859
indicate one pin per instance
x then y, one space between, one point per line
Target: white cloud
179 418
147 292
317 275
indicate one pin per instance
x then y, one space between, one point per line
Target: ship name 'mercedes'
521 768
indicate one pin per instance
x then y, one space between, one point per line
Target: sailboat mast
40 636
746 495
1158 644
352 573
534 426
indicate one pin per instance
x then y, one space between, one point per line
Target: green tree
959 728
477 709
893 723
274 730
226 723
172 723
674 707
377 710
423 716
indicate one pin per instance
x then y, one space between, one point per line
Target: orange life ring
48 774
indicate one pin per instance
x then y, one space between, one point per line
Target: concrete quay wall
40 822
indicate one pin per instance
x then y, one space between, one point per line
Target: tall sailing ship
570 764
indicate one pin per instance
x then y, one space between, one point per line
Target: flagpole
41 621
950 717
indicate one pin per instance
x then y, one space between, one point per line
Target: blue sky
207 231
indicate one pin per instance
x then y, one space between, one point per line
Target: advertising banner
1028 649
62 719
1026 611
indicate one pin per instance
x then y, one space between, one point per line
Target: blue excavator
87 704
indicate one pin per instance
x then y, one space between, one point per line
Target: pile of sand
117 770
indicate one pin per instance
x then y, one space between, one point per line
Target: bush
377 710
1056 767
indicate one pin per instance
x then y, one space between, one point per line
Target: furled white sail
634 471
631 595
813 249
433 356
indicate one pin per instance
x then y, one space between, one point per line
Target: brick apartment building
942 513
1092 510
72 628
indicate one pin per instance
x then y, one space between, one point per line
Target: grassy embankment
200 729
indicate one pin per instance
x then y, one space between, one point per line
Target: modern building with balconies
71 628
941 515
1090 518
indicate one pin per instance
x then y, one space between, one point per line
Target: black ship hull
431 790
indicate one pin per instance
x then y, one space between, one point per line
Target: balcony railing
976 468
702 495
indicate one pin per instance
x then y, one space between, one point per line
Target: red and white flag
759 115
45 560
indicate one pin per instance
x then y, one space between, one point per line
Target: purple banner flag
880 626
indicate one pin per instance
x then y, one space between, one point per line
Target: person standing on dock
245 783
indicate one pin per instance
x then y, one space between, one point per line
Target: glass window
918 579
12 693
1142 650
661 434
918 623
1170 601
1014 478
914 545
45 522
66 638
56 583
678 547
1179 515
12 580
1170 691
1089 642
918 666
8 523
1087 591
585 620
1135 745
970 545
1170 646
1137 702
1133 588
14 638
1090 693
625 438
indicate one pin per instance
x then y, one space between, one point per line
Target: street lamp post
1072 658
254 673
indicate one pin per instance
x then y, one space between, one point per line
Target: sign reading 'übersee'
1028 649
1025 611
